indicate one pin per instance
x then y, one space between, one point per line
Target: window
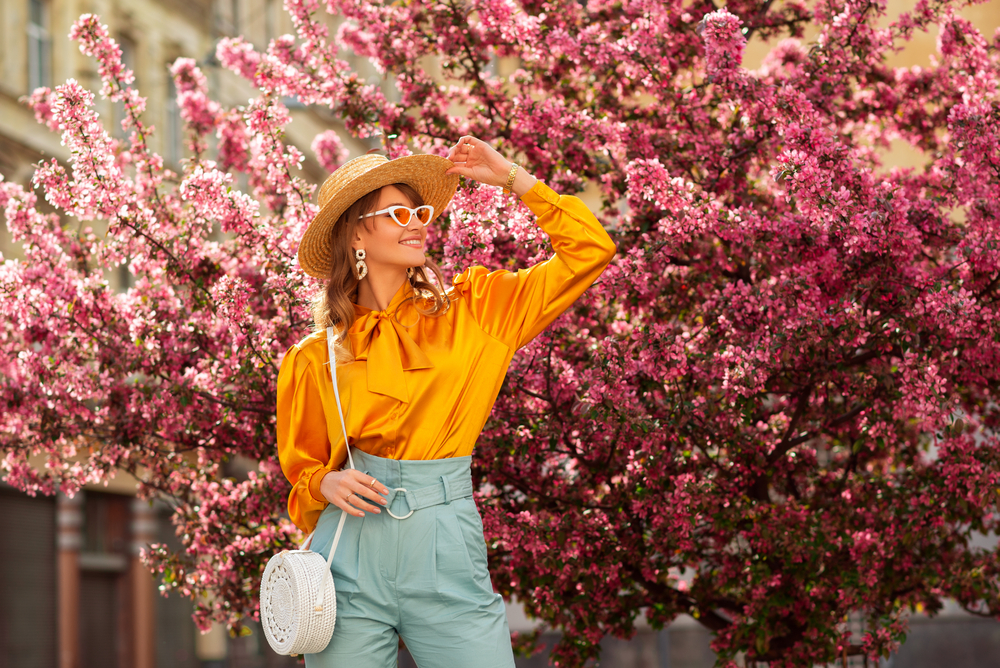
28 613
125 278
128 48
174 136
270 21
234 13
39 45
228 17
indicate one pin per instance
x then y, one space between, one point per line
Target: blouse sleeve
515 307
303 443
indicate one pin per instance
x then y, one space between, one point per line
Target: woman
418 371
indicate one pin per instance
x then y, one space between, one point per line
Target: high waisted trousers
423 578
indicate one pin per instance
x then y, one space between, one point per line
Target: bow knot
388 349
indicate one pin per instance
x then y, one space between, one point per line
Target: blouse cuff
540 198
315 481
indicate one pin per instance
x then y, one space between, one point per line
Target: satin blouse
422 387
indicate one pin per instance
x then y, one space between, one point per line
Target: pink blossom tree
775 409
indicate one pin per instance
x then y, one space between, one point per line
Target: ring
348 496
372 483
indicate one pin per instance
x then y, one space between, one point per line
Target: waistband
416 484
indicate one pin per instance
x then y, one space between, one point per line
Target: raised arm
516 306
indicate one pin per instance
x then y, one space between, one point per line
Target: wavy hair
335 304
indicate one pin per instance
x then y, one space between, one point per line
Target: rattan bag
298 602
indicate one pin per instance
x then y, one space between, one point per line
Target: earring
410 271
361 267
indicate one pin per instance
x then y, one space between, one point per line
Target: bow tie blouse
422 387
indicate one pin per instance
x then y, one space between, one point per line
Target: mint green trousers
423 578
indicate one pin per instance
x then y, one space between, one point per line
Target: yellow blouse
422 387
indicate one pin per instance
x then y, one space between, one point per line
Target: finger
459 168
365 493
367 488
356 477
361 502
466 146
457 148
345 505
347 497
379 487
365 481
463 147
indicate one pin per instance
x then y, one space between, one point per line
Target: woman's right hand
476 159
351 490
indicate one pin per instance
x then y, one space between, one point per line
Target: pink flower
724 41
329 150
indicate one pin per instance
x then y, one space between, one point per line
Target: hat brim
425 173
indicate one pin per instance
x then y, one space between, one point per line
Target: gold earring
410 271
361 266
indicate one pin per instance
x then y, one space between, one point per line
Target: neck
377 289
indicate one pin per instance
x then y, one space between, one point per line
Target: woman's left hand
475 159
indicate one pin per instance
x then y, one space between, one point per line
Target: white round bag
298 602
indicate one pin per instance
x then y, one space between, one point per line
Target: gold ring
348 496
372 483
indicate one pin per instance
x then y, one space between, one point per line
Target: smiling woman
393 242
418 391
375 263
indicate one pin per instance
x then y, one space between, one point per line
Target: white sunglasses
402 214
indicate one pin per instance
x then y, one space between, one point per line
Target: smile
415 242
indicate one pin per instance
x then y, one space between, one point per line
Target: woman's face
387 245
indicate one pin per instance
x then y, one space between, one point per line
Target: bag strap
330 336
343 516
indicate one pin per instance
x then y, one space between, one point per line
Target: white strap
343 516
336 390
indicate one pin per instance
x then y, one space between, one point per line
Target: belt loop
447 490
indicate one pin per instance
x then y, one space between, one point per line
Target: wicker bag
298 602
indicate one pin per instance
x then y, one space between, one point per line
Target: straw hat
360 176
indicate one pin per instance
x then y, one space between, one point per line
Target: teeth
410 243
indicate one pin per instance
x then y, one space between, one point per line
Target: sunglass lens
424 214
401 216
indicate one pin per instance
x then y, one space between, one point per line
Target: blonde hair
335 304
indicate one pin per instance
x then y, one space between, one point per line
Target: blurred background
73 593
